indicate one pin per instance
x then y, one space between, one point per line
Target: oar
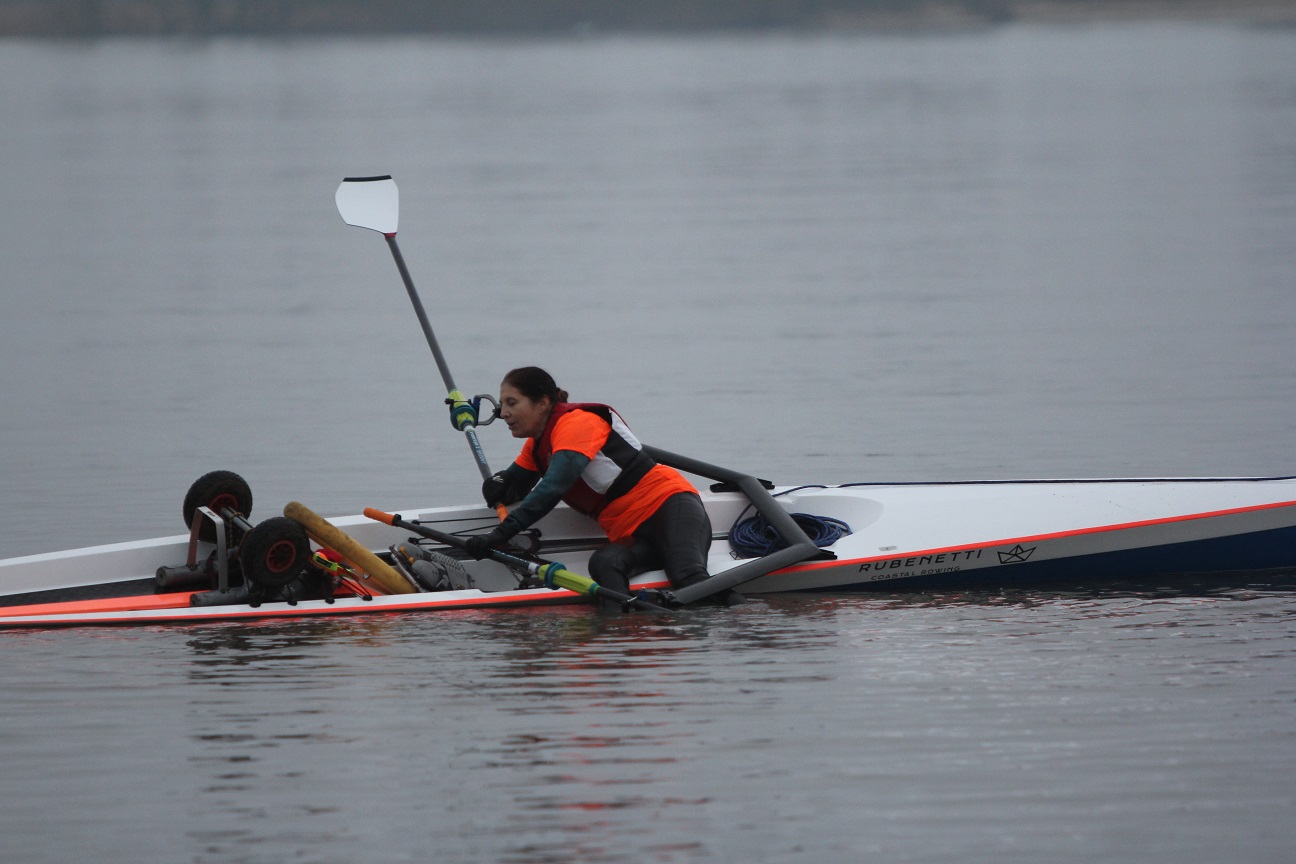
552 573
374 203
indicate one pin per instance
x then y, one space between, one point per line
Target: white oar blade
369 202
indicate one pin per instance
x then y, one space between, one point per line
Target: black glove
480 544
509 486
495 489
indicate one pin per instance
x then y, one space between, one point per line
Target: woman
584 454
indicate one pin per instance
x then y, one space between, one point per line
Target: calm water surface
1017 728
1012 252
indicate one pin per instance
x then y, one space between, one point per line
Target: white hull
904 537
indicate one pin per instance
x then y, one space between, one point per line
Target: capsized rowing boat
901 537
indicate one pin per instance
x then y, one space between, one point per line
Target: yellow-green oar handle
556 575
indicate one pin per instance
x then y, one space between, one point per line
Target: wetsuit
587 457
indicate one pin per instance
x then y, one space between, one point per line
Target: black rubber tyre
274 553
217 490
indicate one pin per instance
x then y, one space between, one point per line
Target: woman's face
525 418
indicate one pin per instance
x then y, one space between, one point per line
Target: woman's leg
680 531
676 538
614 564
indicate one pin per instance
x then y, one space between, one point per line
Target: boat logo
1016 555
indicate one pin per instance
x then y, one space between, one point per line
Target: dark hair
533 383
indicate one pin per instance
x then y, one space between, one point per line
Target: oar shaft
442 366
557 575
479 455
482 466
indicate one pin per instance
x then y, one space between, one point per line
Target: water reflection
562 734
580 735
241 643
577 726
1218 587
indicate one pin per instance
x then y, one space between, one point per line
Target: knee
612 566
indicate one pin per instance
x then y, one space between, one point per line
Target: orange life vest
622 486
613 471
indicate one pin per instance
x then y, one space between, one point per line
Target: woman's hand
508 486
479 545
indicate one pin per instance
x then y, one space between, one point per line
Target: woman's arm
565 469
509 486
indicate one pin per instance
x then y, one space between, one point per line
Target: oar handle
380 516
557 575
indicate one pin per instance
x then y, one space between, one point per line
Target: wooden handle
327 534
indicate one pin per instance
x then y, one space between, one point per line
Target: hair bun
535 383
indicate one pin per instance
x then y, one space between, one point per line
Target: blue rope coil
755 537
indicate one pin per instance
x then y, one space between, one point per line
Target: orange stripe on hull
140 602
13 617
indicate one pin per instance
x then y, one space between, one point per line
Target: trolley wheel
217 490
274 552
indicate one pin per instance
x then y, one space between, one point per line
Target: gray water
1003 253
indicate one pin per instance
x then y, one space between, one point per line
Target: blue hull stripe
1273 550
